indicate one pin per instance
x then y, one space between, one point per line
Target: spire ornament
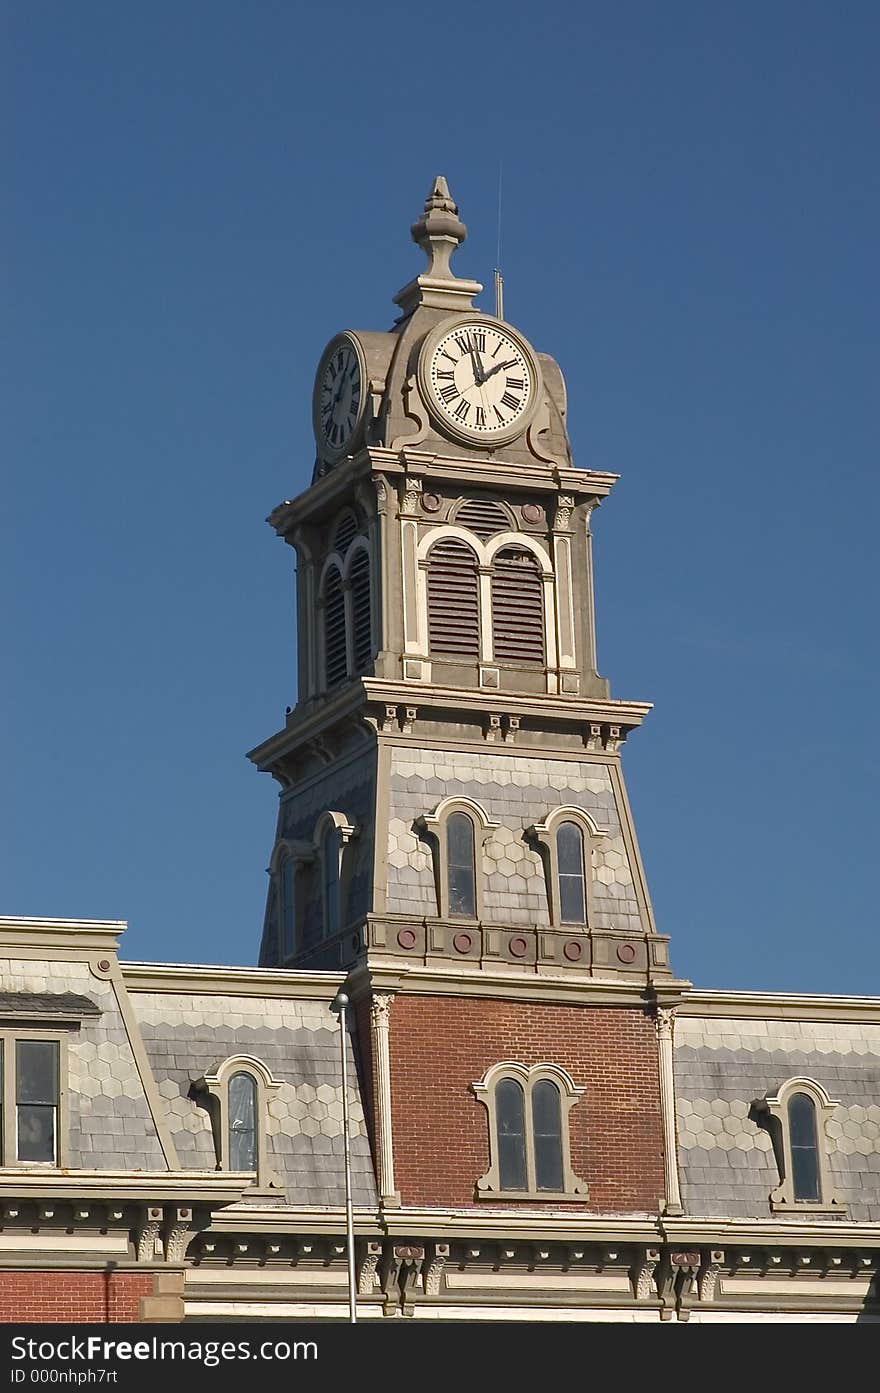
439 231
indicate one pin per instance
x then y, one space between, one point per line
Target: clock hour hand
497 368
479 374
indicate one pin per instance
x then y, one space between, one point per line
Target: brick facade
441 1045
57 1297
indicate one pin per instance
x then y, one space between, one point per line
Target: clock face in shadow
339 396
480 380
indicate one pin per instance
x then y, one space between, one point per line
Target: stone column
665 1022
380 1018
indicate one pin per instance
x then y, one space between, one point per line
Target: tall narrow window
36 1095
330 862
547 1127
517 607
510 1121
335 661
288 907
570 861
804 1147
453 600
361 619
242 1122
460 865
345 533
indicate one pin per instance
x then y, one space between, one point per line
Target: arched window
288 908
517 607
460 868
529 1146
242 1118
330 871
335 659
483 516
344 533
800 1110
804 1147
547 1126
361 618
453 600
510 1120
570 862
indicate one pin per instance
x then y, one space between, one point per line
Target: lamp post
339 1004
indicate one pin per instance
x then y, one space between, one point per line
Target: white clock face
481 380
339 395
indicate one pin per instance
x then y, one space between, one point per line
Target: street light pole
339 1005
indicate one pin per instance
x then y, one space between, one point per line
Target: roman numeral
463 342
480 340
510 401
461 411
448 356
516 383
498 414
481 417
448 394
447 375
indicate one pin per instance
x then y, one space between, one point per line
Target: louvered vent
453 600
346 531
482 516
362 638
517 607
335 665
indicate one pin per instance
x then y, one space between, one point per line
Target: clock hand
497 368
479 375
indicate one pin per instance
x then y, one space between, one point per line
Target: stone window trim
216 1085
544 834
309 854
488 1185
434 826
775 1106
9 1036
345 831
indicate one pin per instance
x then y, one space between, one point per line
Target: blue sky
200 194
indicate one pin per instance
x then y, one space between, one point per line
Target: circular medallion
573 950
626 953
518 947
462 943
480 379
532 512
432 502
406 938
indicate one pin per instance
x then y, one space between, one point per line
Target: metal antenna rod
499 279
339 1005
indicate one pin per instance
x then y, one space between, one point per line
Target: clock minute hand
479 374
497 368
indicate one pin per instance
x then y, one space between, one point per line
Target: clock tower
454 830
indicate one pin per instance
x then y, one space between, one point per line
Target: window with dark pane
570 869
242 1108
453 600
288 907
361 617
483 516
330 863
517 607
804 1144
335 661
36 1096
547 1132
511 1134
460 870
345 533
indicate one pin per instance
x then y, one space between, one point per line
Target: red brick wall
59 1297
441 1045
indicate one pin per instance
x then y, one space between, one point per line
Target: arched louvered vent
517 607
482 516
362 636
346 531
453 600
335 665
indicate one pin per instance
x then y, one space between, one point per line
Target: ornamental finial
439 230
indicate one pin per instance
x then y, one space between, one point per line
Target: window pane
242 1123
804 1147
546 1120
36 1071
330 858
570 861
288 908
460 862
36 1132
509 1117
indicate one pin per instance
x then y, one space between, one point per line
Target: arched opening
335 662
570 869
804 1144
460 865
453 600
242 1102
517 607
361 616
511 1132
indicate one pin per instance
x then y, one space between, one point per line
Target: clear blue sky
200 194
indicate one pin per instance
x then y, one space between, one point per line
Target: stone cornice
88 935
787 1232
178 1187
518 985
275 982
627 714
517 1223
740 1005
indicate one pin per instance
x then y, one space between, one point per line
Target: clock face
339 396
481 380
